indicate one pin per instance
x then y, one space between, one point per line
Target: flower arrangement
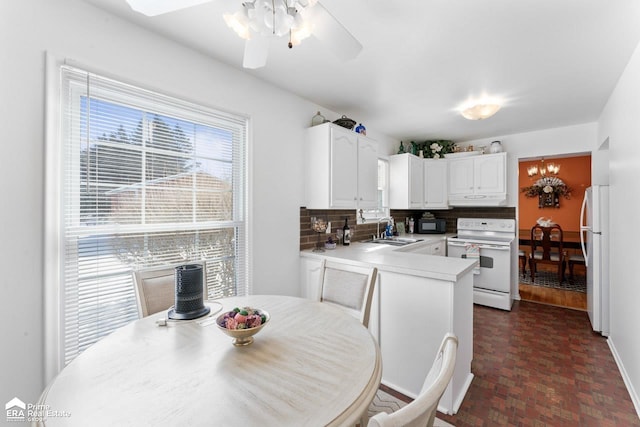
548 185
548 190
436 148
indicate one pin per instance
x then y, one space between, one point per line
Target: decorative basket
345 122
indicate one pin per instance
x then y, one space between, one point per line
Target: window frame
53 271
365 216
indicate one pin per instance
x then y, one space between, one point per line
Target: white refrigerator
594 237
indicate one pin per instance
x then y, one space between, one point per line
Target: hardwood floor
557 297
540 365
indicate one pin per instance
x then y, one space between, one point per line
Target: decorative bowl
345 122
242 337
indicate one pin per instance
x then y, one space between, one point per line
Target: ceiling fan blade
331 32
158 7
256 50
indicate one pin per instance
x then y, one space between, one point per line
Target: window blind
148 180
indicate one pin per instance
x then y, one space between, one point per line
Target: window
382 210
146 180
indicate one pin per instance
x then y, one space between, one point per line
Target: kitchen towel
472 251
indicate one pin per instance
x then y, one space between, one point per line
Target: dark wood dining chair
575 260
546 248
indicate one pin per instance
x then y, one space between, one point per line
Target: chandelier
543 170
275 18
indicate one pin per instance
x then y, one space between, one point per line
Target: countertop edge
385 259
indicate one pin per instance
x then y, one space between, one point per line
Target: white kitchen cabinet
417 300
435 184
431 246
435 307
417 183
341 170
478 180
310 271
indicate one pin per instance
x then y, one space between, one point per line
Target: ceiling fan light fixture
480 111
239 23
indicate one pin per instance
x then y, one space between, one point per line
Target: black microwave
431 226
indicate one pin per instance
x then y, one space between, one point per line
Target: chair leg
532 270
560 272
570 270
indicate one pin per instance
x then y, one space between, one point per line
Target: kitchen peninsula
418 299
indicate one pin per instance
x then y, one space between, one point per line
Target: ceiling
553 62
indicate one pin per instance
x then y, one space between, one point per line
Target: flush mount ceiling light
479 109
259 21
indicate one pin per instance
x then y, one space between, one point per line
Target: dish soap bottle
318 119
346 233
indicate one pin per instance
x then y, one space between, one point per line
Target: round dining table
310 365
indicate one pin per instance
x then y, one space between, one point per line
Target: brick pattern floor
540 365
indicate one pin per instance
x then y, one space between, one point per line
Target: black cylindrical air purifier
189 302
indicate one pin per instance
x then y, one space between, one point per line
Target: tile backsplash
359 232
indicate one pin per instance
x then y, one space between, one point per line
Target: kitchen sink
394 241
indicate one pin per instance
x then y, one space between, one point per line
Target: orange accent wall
576 173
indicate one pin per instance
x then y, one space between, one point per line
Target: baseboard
399 389
625 377
458 400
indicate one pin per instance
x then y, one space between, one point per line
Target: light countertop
399 259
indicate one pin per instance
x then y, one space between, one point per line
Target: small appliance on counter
431 226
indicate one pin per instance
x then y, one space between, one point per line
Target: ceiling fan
261 20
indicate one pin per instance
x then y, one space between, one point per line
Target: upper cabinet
417 183
341 170
478 180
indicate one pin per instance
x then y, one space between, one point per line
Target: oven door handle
481 246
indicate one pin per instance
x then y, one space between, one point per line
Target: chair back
155 289
348 287
422 411
545 240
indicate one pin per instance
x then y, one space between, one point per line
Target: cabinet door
310 270
435 184
461 176
489 173
367 173
344 169
416 180
439 248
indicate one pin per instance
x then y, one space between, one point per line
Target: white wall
76 30
620 123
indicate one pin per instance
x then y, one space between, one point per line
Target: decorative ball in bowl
242 323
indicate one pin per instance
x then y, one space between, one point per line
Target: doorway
552 188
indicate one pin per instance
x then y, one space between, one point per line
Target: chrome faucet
388 218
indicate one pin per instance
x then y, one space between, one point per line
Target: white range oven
493 243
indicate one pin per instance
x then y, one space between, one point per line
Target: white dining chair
422 411
155 288
348 287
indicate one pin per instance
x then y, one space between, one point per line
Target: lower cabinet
310 270
414 314
410 316
427 247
